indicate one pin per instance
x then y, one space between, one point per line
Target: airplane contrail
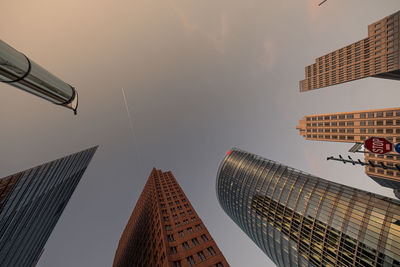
132 128
129 114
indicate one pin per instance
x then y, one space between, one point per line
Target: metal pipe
18 70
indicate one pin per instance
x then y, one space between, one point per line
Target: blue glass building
31 202
298 219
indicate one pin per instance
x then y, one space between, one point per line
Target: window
190 230
201 255
183 214
195 242
175 217
168 227
173 250
211 251
177 224
172 209
193 219
185 246
170 238
219 264
204 237
181 234
185 221
177 264
190 261
198 227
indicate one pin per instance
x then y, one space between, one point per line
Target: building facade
378 55
164 230
298 219
32 201
356 127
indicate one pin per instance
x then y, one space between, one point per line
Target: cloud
270 54
216 34
314 164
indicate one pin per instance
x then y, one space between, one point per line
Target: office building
378 56
298 219
356 127
32 201
164 230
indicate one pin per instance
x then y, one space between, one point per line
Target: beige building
378 55
355 127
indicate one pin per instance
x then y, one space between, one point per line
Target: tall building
298 219
32 201
355 127
165 230
378 56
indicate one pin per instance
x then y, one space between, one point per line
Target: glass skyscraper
298 219
32 201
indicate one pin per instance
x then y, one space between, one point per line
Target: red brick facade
164 230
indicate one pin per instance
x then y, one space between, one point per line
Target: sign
378 145
397 148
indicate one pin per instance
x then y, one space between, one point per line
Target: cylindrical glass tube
21 72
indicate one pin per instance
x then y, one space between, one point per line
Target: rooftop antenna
380 165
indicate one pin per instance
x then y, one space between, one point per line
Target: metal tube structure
18 70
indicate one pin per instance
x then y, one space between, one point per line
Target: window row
201 257
376 114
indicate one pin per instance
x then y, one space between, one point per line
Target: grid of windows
376 56
300 219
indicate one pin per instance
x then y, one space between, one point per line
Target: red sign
378 145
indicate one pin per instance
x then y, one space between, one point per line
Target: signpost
378 145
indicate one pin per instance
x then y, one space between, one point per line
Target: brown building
355 127
375 56
165 230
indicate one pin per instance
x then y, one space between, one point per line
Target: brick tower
165 230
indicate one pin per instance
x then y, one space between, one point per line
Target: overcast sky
200 76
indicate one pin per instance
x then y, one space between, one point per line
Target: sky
200 77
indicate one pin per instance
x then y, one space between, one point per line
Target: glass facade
298 219
31 203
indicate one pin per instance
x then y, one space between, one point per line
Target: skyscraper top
298 219
32 201
165 230
378 56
